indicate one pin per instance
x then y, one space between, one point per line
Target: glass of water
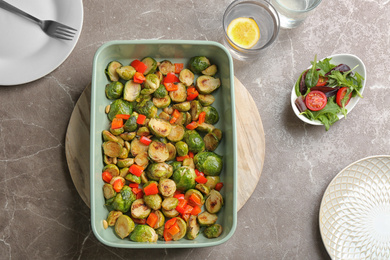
293 12
266 18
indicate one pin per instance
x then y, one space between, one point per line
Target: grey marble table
43 217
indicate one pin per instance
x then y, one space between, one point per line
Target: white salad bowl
352 61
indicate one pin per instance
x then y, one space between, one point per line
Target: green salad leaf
325 66
312 75
327 115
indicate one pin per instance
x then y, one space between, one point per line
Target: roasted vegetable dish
161 172
324 91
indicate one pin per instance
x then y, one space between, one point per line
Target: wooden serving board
250 144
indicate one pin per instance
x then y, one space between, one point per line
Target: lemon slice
244 32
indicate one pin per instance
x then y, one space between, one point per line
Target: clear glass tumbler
266 18
293 12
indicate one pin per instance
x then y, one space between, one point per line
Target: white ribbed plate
355 211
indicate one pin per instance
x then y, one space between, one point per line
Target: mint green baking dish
175 51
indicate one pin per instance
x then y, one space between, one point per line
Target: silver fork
51 28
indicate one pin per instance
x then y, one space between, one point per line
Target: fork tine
65 32
67 27
61 36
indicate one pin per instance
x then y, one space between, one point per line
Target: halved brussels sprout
167 187
210 71
120 106
151 65
218 133
194 141
207 219
112 149
182 229
212 181
124 199
179 95
209 163
184 178
182 119
162 102
147 108
108 191
189 192
132 178
160 232
186 77
139 209
112 169
114 90
157 171
205 127
206 99
193 227
126 72
124 154
142 159
166 67
131 123
131 91
207 84
128 136
160 92
159 127
158 151
111 70
108 136
124 226
153 201
189 162
143 233
117 131
181 148
214 201
170 213
198 63
170 203
183 106
172 151
175 165
211 142
151 83
177 133
137 147
196 109
213 231
124 172
113 216
203 188
212 115
160 219
143 131
164 116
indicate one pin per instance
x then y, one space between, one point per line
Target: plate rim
327 188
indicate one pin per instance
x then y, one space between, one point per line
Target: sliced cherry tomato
321 81
315 100
341 94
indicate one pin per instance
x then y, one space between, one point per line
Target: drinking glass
266 18
293 12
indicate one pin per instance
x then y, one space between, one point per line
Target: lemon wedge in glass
244 32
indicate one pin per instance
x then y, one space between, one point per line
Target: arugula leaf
312 75
327 115
325 66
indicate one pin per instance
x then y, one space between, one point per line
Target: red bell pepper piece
192 93
179 196
182 158
136 170
171 86
185 216
202 117
198 173
117 123
145 140
139 66
178 67
192 125
138 77
118 185
191 154
141 119
151 189
168 224
174 229
133 185
188 209
201 179
171 78
219 186
196 211
106 177
123 116
152 220
194 200
181 206
175 116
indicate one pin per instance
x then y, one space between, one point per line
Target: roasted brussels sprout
186 77
196 109
124 226
207 84
143 233
181 148
131 91
166 67
153 201
194 141
117 131
158 151
157 171
197 193
139 209
132 178
108 191
160 232
128 136
218 133
167 187
112 149
137 147
182 229
170 203
147 108
131 123
175 165
114 90
179 95
212 181
203 188
189 162
124 153
113 216
206 99
142 159
184 178
124 199
170 213
211 142
210 71
205 127
159 127
193 227
209 163
111 70
112 169
183 106
198 63
143 131
212 115
162 102
160 219
126 72
213 231
120 106
151 83
151 65
214 201
177 133
172 151
160 92
207 219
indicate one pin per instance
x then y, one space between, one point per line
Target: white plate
26 52
351 61
355 211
